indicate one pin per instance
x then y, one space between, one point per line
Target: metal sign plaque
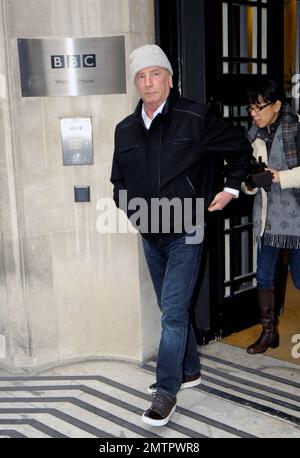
72 66
76 138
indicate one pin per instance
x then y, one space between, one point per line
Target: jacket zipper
191 185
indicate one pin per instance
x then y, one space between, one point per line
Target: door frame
190 32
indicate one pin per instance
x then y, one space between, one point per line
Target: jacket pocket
179 141
128 149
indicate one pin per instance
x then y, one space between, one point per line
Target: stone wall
67 292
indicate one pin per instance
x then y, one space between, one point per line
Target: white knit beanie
148 56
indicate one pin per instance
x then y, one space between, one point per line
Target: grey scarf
283 218
289 124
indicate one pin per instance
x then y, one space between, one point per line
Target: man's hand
220 201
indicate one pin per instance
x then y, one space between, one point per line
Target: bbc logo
73 61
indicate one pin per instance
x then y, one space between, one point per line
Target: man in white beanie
169 149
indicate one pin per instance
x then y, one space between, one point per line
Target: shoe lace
161 403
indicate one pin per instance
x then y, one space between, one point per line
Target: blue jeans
268 261
174 267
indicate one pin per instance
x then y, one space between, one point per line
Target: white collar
148 121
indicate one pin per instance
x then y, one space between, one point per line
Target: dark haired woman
276 215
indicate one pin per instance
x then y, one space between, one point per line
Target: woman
276 214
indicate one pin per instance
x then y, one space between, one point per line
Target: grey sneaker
160 411
188 382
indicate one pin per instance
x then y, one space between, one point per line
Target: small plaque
82 194
77 143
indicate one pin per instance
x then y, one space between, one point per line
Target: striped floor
240 396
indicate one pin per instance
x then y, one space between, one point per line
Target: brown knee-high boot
269 336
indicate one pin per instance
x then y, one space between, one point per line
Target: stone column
67 292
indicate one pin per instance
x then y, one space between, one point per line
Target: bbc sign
74 61
95 66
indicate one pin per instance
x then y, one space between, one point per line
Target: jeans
268 261
174 267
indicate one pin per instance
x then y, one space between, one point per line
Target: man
168 149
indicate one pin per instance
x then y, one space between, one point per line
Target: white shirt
148 122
